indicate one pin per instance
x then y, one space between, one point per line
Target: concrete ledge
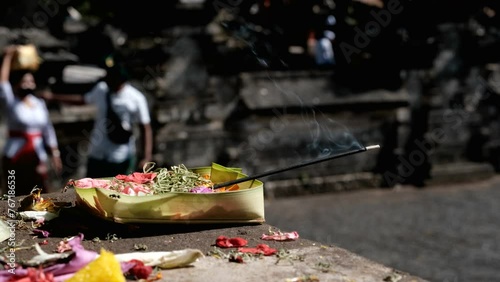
313 263
301 258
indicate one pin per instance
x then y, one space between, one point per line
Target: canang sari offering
175 195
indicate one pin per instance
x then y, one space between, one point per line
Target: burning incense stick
344 154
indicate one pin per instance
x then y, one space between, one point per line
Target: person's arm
147 142
144 119
6 92
50 140
6 63
75 99
56 161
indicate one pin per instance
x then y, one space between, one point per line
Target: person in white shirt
324 49
112 148
30 132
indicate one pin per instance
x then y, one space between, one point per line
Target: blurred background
263 84
268 83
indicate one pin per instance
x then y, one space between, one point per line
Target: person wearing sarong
31 138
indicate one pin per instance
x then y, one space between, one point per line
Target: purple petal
201 189
126 266
63 271
44 233
5 275
82 258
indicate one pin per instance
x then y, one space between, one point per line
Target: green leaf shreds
177 179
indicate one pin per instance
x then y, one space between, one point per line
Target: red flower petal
121 177
140 271
136 262
137 177
33 274
260 249
225 242
266 249
254 251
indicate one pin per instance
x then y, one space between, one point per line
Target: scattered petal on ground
225 242
43 233
164 260
281 236
260 249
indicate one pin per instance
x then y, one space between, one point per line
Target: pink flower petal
84 183
101 183
279 236
92 183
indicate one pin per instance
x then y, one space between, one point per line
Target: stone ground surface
320 263
440 233
306 258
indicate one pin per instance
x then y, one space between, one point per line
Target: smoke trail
327 136
323 136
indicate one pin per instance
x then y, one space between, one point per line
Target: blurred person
120 106
30 131
324 49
